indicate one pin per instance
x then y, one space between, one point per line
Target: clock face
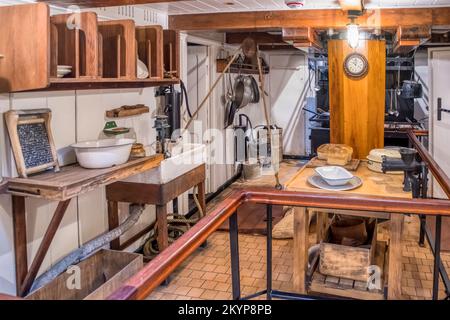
356 65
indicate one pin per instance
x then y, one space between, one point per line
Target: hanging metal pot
255 89
411 89
243 93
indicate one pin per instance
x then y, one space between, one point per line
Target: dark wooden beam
101 3
302 38
408 38
316 19
259 37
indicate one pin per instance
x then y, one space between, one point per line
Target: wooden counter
74 180
374 184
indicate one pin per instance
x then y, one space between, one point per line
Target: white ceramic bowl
104 153
334 175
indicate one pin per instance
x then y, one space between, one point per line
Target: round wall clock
356 65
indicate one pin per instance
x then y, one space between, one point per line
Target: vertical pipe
437 257
234 251
269 252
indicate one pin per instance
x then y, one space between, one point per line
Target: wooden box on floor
100 275
348 262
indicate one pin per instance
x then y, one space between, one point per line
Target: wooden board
350 288
171 59
357 106
316 162
74 180
374 183
24 45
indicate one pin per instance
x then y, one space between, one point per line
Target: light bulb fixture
353 34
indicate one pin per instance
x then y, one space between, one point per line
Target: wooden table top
74 180
374 183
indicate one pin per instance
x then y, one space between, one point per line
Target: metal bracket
440 109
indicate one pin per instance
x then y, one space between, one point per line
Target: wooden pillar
357 105
395 257
301 244
202 196
20 240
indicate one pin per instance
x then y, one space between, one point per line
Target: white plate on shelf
317 181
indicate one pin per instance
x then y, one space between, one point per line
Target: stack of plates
63 71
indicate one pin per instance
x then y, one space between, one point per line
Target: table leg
395 257
161 222
301 244
321 225
20 240
113 222
202 196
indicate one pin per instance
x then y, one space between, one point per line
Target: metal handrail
154 273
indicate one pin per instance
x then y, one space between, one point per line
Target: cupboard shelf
59 84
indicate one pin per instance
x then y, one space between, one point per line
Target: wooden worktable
374 184
61 186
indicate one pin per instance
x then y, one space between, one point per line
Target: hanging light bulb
352 35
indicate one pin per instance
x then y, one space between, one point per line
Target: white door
287 95
198 83
440 129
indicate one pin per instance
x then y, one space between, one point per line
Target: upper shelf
100 54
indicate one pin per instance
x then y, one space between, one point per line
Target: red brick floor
206 274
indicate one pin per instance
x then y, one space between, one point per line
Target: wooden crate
345 261
101 274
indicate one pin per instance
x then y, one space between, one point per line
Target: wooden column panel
150 49
357 106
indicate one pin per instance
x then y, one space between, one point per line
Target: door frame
431 104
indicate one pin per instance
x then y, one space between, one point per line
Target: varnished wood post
113 222
161 222
395 257
301 244
20 240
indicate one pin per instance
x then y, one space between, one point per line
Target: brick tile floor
207 275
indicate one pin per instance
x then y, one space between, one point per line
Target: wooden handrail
439 174
155 272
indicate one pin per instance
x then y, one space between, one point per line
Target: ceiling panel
211 6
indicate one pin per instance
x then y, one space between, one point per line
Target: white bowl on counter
98 154
334 175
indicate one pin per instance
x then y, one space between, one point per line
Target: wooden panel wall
357 106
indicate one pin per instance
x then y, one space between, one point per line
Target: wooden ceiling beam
259 37
316 19
302 37
407 39
101 3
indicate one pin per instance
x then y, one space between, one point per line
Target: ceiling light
353 35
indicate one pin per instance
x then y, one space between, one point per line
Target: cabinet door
24 47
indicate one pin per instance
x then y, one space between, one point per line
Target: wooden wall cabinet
102 54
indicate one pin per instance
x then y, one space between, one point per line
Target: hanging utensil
391 106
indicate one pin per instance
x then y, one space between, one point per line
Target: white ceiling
211 6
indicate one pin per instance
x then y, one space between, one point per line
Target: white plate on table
317 181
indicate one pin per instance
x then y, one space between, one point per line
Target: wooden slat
395 258
20 240
74 180
318 19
